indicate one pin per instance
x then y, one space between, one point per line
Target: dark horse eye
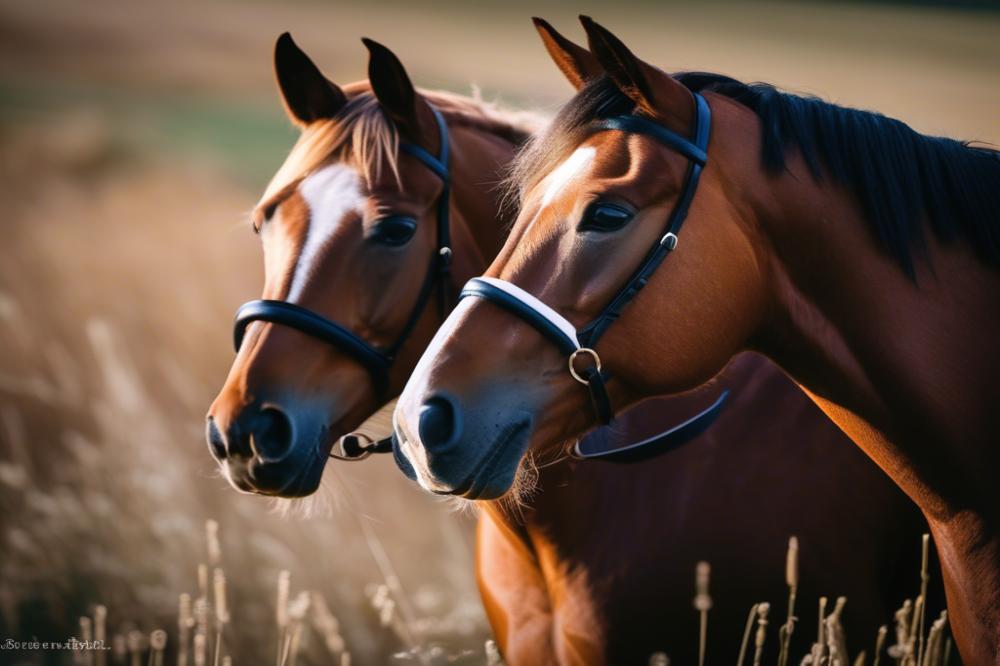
394 230
603 216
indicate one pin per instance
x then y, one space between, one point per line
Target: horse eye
394 230
605 217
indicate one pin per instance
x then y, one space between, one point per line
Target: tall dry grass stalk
221 610
212 541
185 622
200 649
903 646
327 625
702 603
761 636
281 611
157 647
493 657
297 611
792 581
836 645
101 634
136 647
86 655
745 643
924 579
883 631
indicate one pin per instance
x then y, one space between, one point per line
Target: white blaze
331 193
565 172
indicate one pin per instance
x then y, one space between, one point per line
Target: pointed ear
395 93
307 94
655 92
577 63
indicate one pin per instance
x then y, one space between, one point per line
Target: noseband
577 344
377 360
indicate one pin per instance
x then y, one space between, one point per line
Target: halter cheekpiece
584 363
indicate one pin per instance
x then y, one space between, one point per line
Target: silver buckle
572 357
669 240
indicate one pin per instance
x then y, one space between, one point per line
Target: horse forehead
331 191
332 194
564 174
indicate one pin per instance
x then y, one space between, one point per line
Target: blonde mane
363 135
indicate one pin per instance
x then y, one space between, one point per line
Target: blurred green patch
247 139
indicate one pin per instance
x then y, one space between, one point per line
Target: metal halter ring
572 357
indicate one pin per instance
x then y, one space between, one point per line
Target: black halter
560 332
378 361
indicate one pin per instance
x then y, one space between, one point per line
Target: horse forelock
363 135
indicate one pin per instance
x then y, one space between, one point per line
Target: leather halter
574 343
377 360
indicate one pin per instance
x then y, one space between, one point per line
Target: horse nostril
216 443
439 424
271 435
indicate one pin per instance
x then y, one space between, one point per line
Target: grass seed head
221 605
212 538
158 640
792 563
281 610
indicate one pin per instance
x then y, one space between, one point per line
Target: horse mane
901 179
363 134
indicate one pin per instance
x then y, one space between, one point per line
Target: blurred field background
134 137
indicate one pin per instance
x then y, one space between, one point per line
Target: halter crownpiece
377 360
579 343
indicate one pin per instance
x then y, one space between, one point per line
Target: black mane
900 178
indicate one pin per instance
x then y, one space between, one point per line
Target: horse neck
480 222
903 367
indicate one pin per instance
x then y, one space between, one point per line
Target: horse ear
307 94
395 92
577 63
655 92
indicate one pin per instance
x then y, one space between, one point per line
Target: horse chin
491 475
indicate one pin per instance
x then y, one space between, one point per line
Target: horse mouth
507 449
273 480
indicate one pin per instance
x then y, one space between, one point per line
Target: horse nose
439 424
264 433
271 434
216 442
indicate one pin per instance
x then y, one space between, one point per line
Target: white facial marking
331 193
564 173
406 416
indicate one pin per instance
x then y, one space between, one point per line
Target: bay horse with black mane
597 564
859 255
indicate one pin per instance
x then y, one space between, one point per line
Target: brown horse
859 255
553 587
347 224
